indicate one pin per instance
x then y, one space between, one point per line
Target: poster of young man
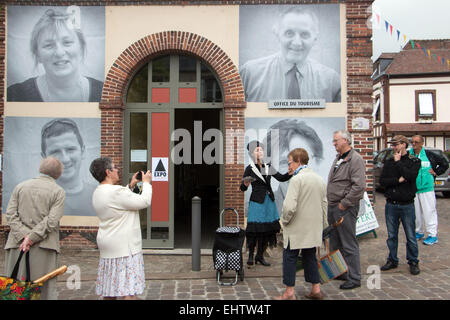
75 142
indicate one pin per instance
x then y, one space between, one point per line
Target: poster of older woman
281 135
55 54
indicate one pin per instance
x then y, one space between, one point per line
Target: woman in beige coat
303 219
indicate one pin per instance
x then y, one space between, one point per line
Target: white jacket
117 207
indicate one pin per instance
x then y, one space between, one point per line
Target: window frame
420 116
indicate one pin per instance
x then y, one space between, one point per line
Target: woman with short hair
119 239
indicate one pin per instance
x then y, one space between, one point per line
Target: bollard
196 232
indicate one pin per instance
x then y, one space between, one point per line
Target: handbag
331 265
13 289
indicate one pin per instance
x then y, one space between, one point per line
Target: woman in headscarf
263 218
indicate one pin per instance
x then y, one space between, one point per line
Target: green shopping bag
13 289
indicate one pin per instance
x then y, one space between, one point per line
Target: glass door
147 140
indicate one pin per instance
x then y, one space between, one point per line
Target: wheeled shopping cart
227 250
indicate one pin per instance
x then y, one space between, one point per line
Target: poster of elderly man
75 142
290 52
55 54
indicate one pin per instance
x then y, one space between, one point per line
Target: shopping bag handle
27 266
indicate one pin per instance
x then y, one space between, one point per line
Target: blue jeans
406 214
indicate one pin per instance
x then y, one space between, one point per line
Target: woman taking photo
58 44
263 218
119 239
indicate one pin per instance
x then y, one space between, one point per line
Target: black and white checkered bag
228 261
228 230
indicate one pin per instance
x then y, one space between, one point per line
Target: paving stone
169 277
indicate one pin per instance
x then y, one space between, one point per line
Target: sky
417 19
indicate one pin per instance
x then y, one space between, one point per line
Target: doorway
196 178
168 93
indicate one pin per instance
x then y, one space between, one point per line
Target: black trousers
309 264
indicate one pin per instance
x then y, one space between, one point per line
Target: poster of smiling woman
74 141
55 54
290 52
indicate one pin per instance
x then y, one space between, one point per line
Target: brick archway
136 55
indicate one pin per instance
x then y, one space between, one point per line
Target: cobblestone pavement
169 277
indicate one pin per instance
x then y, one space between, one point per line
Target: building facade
179 87
411 92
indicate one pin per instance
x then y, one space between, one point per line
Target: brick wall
359 83
70 237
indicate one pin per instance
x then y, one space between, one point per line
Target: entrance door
161 97
197 176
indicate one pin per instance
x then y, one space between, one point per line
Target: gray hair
299 10
98 168
345 135
52 167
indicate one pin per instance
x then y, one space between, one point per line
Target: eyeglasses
416 142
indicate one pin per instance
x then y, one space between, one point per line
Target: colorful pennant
390 28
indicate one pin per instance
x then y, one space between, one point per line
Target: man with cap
399 180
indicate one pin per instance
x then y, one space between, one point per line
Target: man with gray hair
346 186
34 210
289 73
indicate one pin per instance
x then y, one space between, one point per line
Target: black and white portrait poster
281 135
74 141
55 54
290 52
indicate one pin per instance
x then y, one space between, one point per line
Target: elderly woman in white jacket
303 219
119 239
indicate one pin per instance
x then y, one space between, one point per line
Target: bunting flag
403 38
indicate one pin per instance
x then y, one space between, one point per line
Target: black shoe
250 259
348 285
262 261
342 277
414 268
389 265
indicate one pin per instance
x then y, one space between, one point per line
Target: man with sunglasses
432 165
399 180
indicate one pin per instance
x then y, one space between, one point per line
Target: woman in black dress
263 218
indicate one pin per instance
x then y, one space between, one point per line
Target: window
376 110
174 79
425 104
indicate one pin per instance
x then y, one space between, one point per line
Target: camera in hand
139 175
